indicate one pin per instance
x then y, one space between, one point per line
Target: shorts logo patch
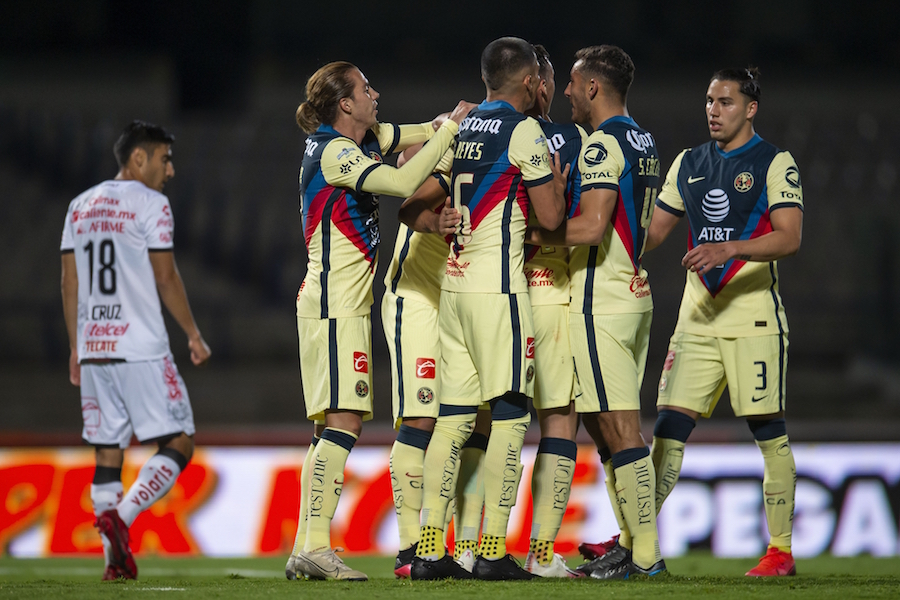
425 395
670 360
529 348
362 388
425 369
170 375
529 373
90 413
743 182
360 362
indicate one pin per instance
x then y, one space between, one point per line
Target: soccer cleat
774 564
403 564
556 568
613 556
502 569
111 525
592 551
445 568
112 573
467 559
325 564
625 568
294 568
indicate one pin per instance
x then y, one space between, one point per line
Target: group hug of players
517 275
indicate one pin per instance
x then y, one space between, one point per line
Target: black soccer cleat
445 568
503 569
614 556
626 569
403 564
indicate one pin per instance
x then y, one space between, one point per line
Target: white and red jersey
112 228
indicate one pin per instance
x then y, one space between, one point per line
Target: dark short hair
139 134
504 58
543 58
747 78
610 64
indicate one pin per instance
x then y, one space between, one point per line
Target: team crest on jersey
374 156
362 388
595 154
743 182
792 176
360 362
425 395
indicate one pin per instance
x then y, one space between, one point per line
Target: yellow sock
667 455
624 532
326 482
470 494
461 546
305 472
492 546
431 543
440 474
635 490
407 458
779 483
502 472
551 483
542 551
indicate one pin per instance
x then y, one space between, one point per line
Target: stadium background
226 78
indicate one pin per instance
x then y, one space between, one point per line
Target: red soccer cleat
774 564
115 530
592 551
112 573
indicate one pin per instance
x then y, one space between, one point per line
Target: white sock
104 497
156 477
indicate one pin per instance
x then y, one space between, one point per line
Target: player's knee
510 406
412 436
674 425
767 429
179 458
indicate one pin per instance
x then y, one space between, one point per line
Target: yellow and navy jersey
729 196
609 278
340 220
499 154
547 267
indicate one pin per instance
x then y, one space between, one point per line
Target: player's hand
74 368
462 109
199 350
560 174
449 219
439 120
706 257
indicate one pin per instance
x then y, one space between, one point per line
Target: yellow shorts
487 347
698 368
610 356
411 332
334 365
554 366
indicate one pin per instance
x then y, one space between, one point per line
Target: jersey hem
670 210
602 186
540 181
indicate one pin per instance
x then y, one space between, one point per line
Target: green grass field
697 576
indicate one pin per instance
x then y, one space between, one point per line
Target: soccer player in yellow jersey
501 165
341 175
611 306
744 204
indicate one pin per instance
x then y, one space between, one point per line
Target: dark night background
227 76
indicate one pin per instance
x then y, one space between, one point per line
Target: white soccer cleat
467 560
325 564
556 568
294 569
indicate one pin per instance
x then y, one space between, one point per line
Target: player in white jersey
117 263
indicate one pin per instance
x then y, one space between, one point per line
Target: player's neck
518 101
603 111
350 128
743 136
128 174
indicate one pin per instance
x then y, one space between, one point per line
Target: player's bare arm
548 199
417 211
661 225
586 229
171 291
69 285
782 241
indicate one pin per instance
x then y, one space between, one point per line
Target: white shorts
146 398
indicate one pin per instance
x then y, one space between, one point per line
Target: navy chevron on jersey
500 153
547 267
609 278
730 196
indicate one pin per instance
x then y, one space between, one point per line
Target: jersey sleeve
396 138
344 165
529 152
601 162
669 198
67 242
783 183
158 224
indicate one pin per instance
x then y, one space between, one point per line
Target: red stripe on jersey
314 215
531 252
494 195
341 218
620 222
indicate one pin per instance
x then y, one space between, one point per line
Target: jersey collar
753 141
496 104
617 119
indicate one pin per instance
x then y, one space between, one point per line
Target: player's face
158 168
577 93
365 100
728 111
532 83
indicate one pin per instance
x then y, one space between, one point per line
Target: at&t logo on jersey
360 362
716 206
529 348
425 368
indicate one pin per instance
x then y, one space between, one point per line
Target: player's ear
593 89
752 107
346 105
138 156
